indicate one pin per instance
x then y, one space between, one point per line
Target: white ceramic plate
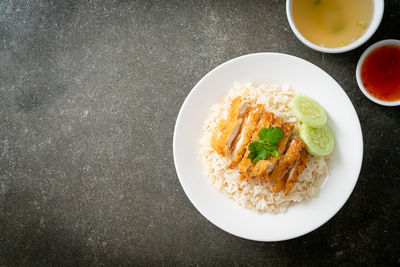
301 218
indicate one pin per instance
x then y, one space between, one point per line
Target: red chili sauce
380 73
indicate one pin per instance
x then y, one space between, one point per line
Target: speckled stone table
89 94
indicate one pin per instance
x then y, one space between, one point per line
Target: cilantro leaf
275 153
272 134
267 146
257 151
252 156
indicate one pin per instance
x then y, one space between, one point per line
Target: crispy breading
298 169
289 159
248 128
277 122
217 133
287 129
231 124
280 185
245 164
233 137
263 167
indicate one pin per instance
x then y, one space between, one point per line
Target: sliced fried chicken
280 185
296 171
291 156
223 137
249 125
261 165
232 136
217 133
287 129
264 167
245 164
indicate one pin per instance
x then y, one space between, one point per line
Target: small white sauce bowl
375 21
358 71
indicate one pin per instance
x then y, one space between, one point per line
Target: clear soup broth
332 23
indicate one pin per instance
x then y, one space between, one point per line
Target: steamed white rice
254 194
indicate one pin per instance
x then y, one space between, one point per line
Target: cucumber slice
319 141
309 111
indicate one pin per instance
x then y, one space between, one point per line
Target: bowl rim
358 71
375 22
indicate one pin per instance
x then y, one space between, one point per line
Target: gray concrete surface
89 94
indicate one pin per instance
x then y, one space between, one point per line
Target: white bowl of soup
334 26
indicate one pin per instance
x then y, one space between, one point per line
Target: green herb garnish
361 23
267 145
